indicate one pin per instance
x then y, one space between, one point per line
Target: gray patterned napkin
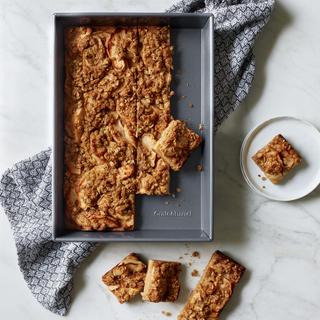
237 24
47 266
25 190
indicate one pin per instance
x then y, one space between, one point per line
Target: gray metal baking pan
188 214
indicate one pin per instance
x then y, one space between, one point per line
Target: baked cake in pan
117 123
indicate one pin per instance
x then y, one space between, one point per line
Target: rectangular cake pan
186 215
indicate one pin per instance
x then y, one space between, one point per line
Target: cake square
214 289
103 198
153 174
126 279
176 143
162 281
277 158
153 114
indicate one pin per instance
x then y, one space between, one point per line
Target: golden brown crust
153 174
176 143
277 158
153 80
126 279
153 106
100 153
153 115
162 281
126 108
213 290
115 93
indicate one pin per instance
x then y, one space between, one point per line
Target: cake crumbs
264 178
166 313
190 104
196 254
190 264
180 258
201 126
178 189
263 187
259 175
195 273
186 253
199 167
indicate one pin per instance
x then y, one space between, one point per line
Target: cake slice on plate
277 158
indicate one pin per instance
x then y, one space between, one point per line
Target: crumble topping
277 158
213 290
126 279
162 281
176 143
153 107
100 153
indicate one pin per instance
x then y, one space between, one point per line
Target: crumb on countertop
264 178
195 273
196 254
190 264
201 126
166 313
178 189
190 104
180 258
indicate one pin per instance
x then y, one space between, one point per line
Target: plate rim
244 143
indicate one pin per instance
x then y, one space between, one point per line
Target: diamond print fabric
47 266
25 190
237 24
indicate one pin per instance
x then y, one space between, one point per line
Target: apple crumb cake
277 158
213 290
116 108
153 106
162 281
100 122
176 143
126 279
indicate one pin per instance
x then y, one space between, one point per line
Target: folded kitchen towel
25 190
236 25
47 266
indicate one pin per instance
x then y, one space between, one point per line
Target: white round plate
303 179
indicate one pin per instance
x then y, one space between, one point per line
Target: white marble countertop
279 243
